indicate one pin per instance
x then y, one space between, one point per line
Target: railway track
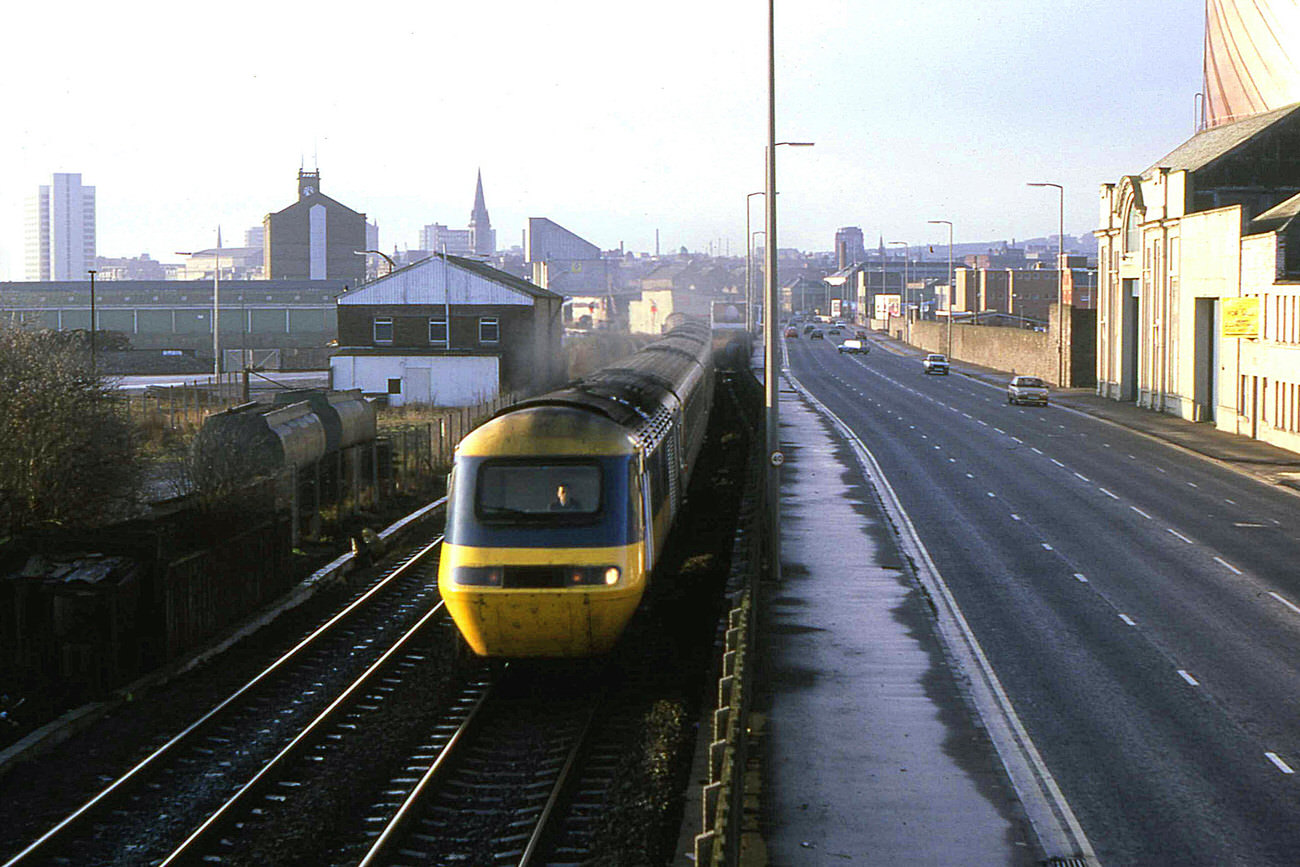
501 785
140 816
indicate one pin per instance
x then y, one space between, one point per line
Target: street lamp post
951 289
906 313
392 266
749 268
94 369
1060 287
216 313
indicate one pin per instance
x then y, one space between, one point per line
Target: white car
1027 389
935 363
855 346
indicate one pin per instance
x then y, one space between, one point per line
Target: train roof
634 391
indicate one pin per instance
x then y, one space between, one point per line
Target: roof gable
454 280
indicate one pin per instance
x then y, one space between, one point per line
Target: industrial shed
448 331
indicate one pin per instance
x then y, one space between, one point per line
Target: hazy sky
612 119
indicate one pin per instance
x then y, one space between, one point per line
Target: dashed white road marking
1036 449
1278 763
1187 677
1058 463
1108 493
999 430
1083 579
1140 512
970 476
1178 535
1161 469
1231 502
991 494
1127 619
1081 476
1046 547
1015 517
1192 485
1224 563
1287 602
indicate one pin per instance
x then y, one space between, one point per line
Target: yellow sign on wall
1240 317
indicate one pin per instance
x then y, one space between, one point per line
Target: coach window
438 330
383 329
489 329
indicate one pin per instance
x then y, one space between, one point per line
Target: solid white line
1140 512
1179 535
1187 677
1227 565
1127 619
1058 830
1082 578
1287 602
1108 493
1277 761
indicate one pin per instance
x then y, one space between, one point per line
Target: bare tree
67 456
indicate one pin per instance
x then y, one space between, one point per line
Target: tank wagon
299 431
559 506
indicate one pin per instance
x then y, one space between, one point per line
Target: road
1140 605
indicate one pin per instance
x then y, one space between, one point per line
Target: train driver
564 501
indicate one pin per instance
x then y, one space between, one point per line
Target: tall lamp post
216 312
94 369
749 268
906 314
951 289
392 266
1060 288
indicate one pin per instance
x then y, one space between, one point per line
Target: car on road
860 333
809 328
853 346
817 334
792 332
935 363
1027 389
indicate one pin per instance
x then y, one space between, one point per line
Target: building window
1132 232
395 386
489 329
438 330
383 329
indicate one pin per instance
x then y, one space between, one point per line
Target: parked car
935 363
853 346
817 334
792 332
1027 389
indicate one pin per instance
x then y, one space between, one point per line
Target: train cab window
539 492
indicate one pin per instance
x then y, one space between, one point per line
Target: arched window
1132 235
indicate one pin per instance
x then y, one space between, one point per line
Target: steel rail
202 721
186 847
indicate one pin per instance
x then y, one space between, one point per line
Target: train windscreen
513 490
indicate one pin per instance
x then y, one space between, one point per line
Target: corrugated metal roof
1205 147
425 282
1277 217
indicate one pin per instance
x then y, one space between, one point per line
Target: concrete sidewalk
871 752
1260 459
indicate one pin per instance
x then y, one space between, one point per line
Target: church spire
482 238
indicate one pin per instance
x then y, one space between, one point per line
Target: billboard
1240 317
888 305
1251 64
727 314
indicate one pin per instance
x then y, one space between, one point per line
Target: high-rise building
482 239
849 247
61 230
437 238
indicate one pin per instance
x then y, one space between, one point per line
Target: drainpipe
1164 283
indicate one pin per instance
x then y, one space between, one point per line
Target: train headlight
580 576
478 576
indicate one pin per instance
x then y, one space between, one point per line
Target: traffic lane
1100 694
1238 640
1225 512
